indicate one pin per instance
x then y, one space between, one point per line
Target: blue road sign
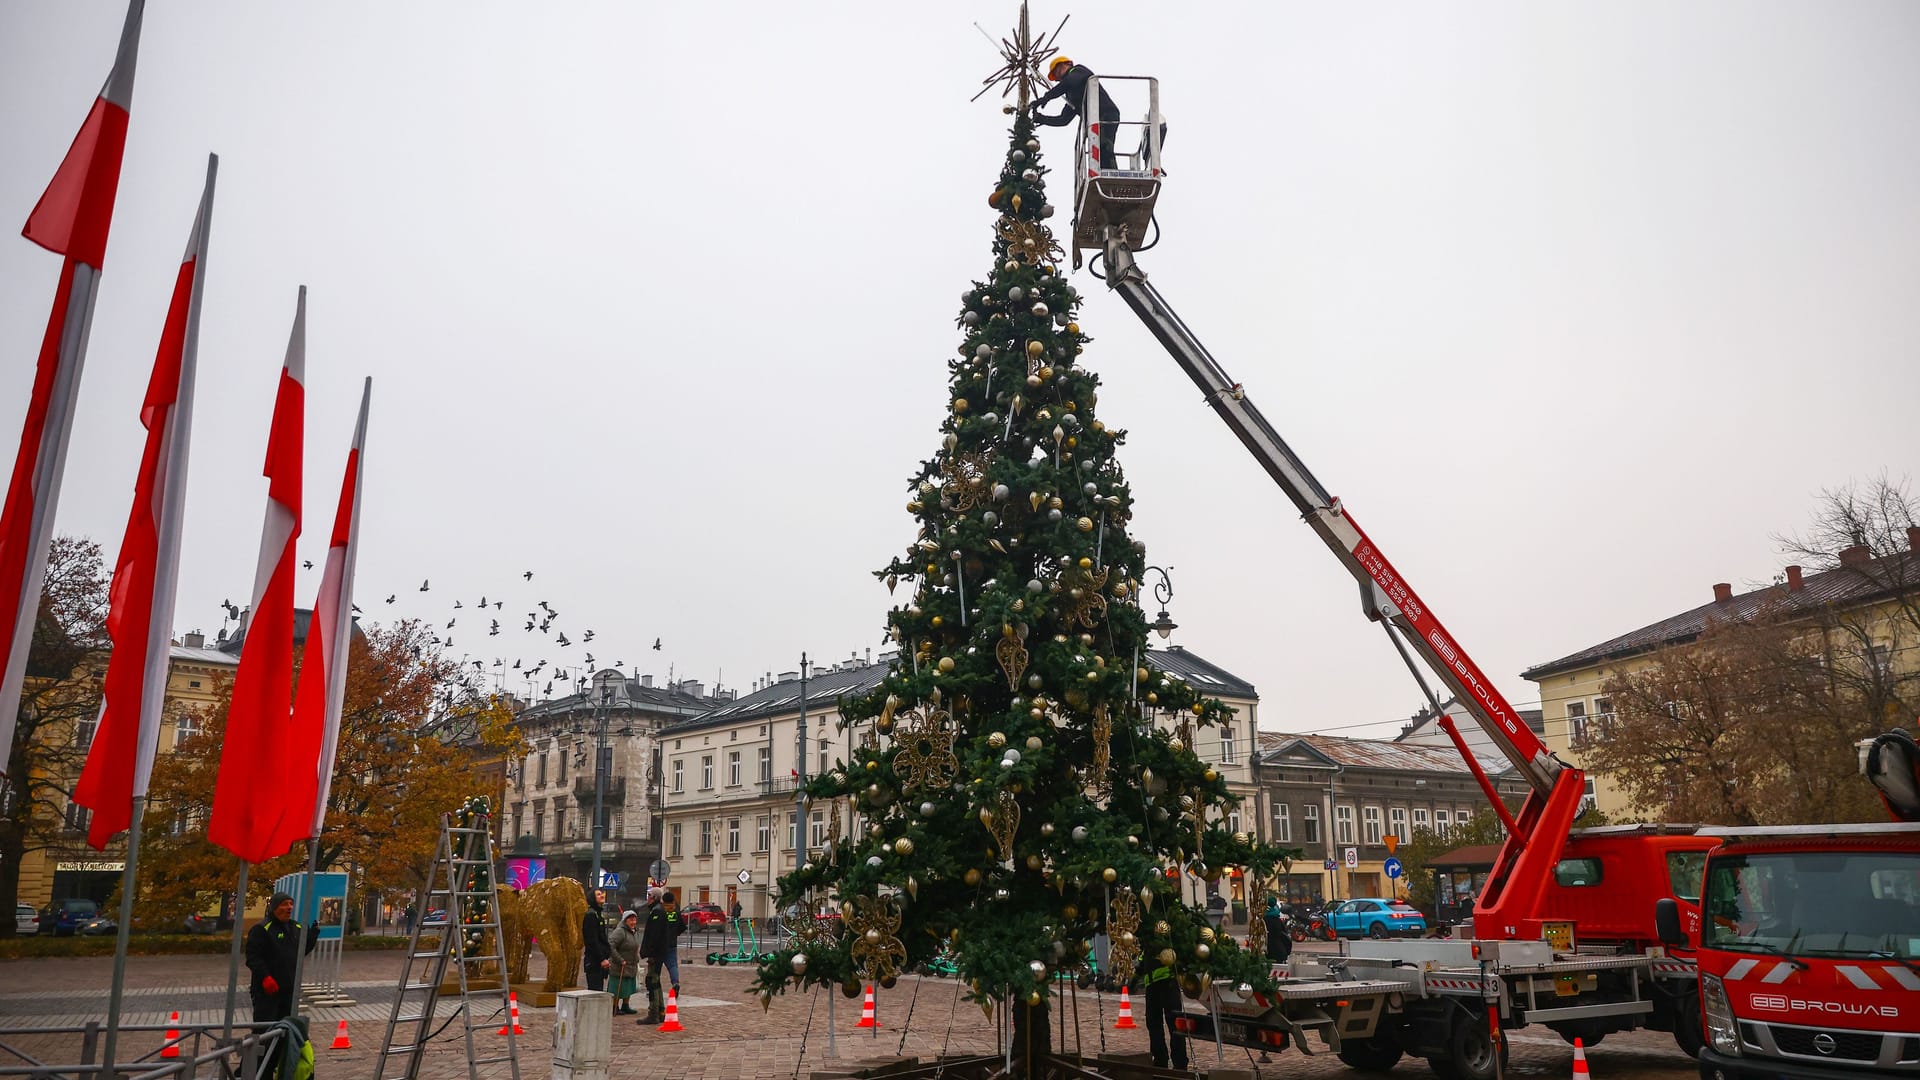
1331 865
1392 867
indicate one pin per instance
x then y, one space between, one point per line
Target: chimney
646 681
788 676
1913 537
1856 556
1722 592
194 640
692 688
1794 582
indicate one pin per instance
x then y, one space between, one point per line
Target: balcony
615 793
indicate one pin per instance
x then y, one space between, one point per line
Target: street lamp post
601 766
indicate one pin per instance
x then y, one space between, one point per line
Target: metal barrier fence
205 1051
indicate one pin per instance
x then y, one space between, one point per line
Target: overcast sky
1574 304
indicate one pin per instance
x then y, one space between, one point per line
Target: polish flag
140 601
323 670
251 789
71 219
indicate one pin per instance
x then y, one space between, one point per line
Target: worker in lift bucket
1070 83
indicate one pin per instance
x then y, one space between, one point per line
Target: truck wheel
1373 1055
1377 931
1686 1027
1470 1048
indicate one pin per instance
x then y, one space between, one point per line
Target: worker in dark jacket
1279 934
271 959
656 940
1163 1004
598 957
1070 84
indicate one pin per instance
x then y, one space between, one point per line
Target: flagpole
311 904
153 689
233 954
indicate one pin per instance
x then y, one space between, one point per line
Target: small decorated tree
1030 782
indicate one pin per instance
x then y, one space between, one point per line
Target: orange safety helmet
1054 73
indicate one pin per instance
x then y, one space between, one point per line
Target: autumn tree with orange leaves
393 778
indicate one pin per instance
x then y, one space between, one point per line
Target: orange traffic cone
513 1022
1126 1012
867 1018
172 1049
1579 1058
673 1012
340 1040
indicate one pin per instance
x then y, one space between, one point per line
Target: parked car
99 924
201 924
704 916
1377 917
25 920
64 917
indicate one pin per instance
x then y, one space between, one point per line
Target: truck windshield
1815 903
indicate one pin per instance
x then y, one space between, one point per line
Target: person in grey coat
625 943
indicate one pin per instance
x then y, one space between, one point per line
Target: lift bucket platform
1118 174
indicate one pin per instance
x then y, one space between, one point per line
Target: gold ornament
1211 775
1162 928
1004 824
1123 919
971 877
959 405
1207 934
966 479
903 846
946 665
1167 957
1085 604
1012 654
1029 236
925 758
1100 773
877 952
1084 524
1035 348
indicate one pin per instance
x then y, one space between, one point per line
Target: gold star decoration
877 952
1022 74
925 757
1085 604
1032 239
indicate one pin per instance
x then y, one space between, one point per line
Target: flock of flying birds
534 678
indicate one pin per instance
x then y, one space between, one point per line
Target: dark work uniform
270 951
593 931
1072 89
1163 1004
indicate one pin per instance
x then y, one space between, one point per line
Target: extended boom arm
1508 906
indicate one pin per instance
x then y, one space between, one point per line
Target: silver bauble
1030 175
1039 970
983 351
873 861
799 963
971 318
1016 294
1000 492
1079 833
927 809
1039 311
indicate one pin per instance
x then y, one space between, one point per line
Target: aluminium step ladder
410 1027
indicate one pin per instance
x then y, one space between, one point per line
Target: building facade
1339 800
548 798
733 812
1864 593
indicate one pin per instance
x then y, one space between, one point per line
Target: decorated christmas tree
1030 780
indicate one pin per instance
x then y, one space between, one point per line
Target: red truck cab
1808 946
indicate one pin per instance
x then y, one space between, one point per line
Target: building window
1310 823
766 765
679 775
520 777
1603 715
83 730
562 778
706 838
822 771
706 772
1370 818
1343 824
733 836
818 830
78 818
1282 823
185 726
1397 818
1577 721
541 781
539 824
1233 820
560 818
1226 744
1420 818
733 768
1442 823
762 833
793 830
673 839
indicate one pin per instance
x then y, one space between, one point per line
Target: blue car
1377 917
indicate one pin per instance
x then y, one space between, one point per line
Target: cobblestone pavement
728 1035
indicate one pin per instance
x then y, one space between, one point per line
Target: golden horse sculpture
551 912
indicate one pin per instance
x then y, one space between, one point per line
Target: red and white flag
140 601
250 791
71 219
323 669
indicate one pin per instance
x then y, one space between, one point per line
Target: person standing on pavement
271 957
598 957
676 925
656 941
624 942
1279 934
1163 1004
